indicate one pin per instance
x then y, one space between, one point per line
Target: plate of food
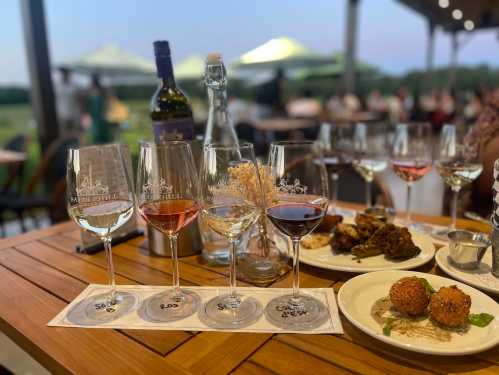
480 278
365 244
421 312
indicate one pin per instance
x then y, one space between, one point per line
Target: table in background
41 273
7 156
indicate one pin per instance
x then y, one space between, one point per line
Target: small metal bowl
466 249
386 214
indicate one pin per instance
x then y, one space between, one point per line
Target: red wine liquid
295 219
411 170
171 215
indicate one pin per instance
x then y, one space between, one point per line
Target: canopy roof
283 51
110 60
483 13
191 68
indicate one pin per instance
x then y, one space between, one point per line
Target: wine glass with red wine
167 199
411 156
300 204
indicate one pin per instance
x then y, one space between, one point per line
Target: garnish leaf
387 328
427 285
480 320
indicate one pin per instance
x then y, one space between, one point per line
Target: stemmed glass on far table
300 204
370 153
230 207
167 199
411 159
100 200
458 163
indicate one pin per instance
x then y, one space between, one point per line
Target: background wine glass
300 205
167 199
336 143
100 200
411 156
370 153
458 163
229 208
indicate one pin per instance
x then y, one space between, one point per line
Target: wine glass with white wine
100 200
370 154
458 163
230 207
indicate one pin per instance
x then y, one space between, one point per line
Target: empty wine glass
370 154
229 207
411 156
299 206
336 143
100 200
167 199
458 163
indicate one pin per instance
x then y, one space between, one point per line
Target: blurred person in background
68 105
96 107
334 104
269 96
376 103
351 103
473 107
304 106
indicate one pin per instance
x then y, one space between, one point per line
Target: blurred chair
15 171
53 163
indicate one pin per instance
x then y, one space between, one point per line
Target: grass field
16 119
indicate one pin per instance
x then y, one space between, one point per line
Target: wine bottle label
173 130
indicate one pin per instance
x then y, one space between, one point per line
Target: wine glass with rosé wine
167 200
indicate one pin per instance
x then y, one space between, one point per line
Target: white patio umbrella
191 68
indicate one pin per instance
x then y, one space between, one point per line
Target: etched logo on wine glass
90 190
228 188
294 188
161 190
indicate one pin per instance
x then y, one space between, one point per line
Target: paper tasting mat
73 314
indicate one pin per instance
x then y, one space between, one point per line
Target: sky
390 36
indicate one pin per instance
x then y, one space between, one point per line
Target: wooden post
453 61
42 92
430 52
350 46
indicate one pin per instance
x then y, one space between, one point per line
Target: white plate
357 296
480 278
324 257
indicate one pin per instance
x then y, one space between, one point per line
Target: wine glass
299 206
370 154
167 200
411 156
100 200
229 207
336 143
458 163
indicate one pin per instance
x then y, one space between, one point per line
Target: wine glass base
441 234
97 309
228 312
296 313
169 306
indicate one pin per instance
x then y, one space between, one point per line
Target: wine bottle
219 128
171 112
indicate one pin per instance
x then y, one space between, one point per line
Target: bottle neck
217 99
165 71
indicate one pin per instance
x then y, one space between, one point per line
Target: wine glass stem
455 194
296 266
368 193
110 270
173 246
232 267
408 204
334 191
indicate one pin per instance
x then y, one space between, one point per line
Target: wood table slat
251 368
216 352
25 311
284 359
36 234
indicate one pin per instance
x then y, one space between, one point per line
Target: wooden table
7 156
40 273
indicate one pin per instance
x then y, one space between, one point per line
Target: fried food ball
409 296
450 306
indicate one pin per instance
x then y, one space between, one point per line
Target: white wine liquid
368 167
230 220
458 174
102 218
